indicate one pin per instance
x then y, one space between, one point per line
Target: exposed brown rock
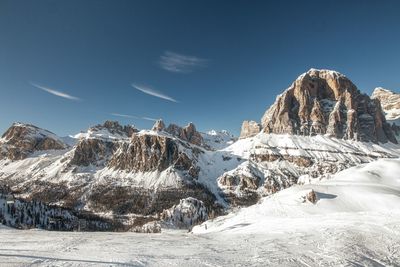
150 153
323 101
311 196
390 101
115 128
92 151
20 140
187 133
158 126
249 129
240 185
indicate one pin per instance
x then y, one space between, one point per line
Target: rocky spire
187 133
158 126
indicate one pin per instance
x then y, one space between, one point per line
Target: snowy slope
352 195
355 222
217 140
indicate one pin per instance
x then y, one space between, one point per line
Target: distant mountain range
175 176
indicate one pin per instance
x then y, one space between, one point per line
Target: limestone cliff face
97 145
187 133
249 129
20 140
146 152
92 151
390 102
327 102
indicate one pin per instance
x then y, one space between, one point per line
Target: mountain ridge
160 174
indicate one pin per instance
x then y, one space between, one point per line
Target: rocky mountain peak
390 102
158 126
146 152
107 131
115 128
187 133
21 139
327 102
249 129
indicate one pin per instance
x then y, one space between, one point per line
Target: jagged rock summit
249 129
187 133
20 140
158 126
327 102
108 130
390 102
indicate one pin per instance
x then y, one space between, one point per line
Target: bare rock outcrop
311 196
187 133
249 129
115 128
390 102
158 126
147 152
20 140
92 151
188 213
327 102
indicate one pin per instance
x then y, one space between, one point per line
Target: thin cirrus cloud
152 92
132 117
55 92
178 63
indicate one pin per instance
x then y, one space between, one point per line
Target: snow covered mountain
327 102
319 126
390 102
20 140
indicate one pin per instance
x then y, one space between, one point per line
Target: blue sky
67 65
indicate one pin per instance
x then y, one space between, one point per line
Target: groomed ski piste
353 220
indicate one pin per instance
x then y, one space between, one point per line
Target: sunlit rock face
21 140
187 133
147 152
327 102
249 129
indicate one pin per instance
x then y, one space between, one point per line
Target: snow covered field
355 222
365 240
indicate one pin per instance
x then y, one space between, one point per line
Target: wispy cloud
124 116
149 119
132 117
55 92
152 92
179 63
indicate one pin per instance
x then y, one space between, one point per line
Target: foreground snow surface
362 240
355 222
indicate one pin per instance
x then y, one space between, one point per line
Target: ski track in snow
358 241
